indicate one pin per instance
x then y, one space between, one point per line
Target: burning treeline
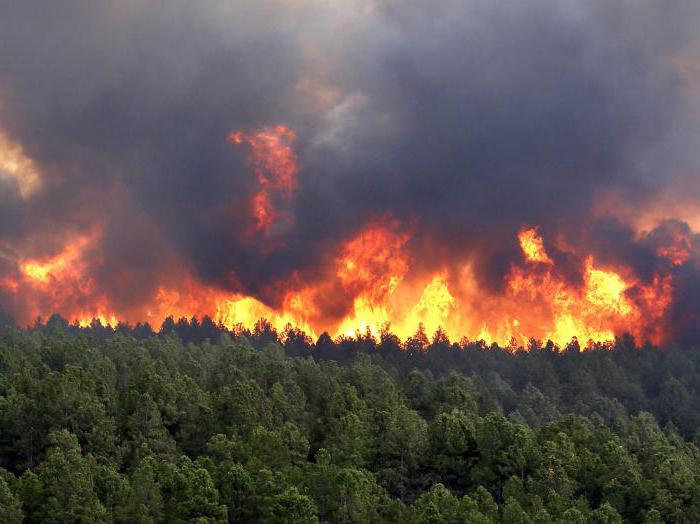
376 278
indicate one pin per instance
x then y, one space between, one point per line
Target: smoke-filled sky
450 126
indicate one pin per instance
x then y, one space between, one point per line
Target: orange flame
56 267
373 274
273 161
533 246
677 249
61 283
370 268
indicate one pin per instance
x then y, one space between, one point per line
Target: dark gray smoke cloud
468 118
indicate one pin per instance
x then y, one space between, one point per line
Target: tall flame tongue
273 161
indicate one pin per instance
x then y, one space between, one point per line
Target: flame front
375 273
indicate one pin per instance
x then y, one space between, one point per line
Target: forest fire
376 281
548 194
374 272
350 261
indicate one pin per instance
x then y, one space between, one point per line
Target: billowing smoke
242 159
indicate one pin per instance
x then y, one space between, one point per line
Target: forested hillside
195 423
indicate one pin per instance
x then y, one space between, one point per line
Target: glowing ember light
9 284
677 248
533 246
677 255
263 210
274 163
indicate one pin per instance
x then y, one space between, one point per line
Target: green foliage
345 494
145 502
65 484
189 494
112 428
10 504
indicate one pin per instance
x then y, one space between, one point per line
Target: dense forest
196 423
